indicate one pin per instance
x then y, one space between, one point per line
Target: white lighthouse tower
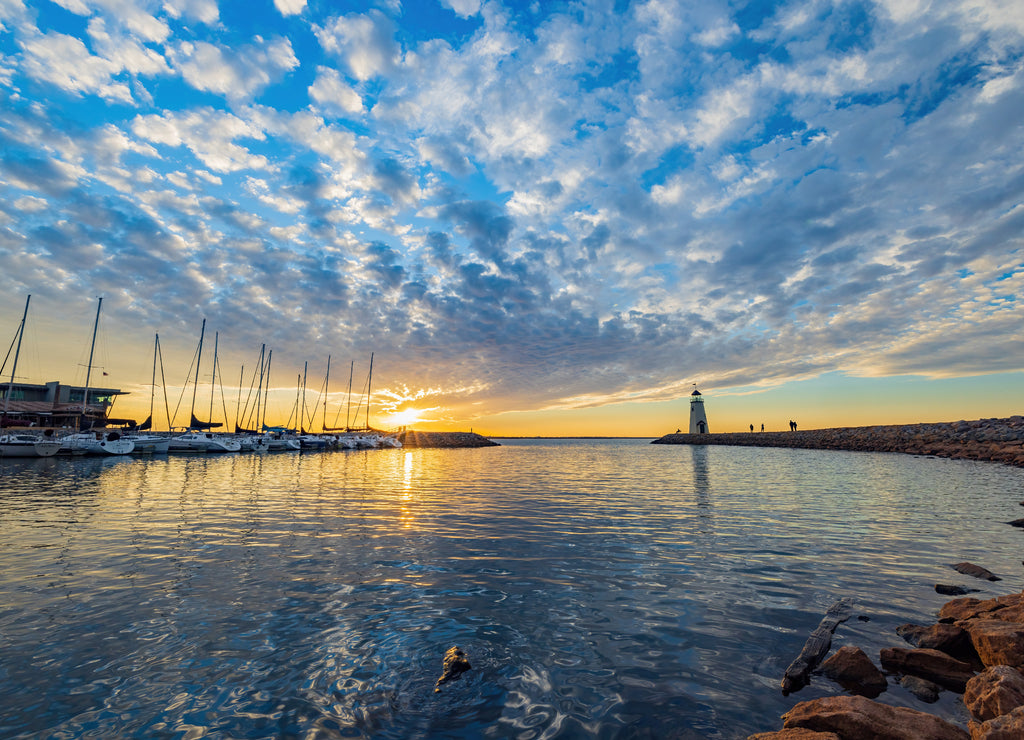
698 418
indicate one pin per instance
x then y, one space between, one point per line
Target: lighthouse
698 419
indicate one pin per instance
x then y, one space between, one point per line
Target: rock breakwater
412 438
995 440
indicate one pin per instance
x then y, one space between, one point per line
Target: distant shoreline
989 440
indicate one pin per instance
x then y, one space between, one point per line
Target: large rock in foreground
996 692
412 438
857 717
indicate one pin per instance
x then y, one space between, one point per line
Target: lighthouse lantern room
698 418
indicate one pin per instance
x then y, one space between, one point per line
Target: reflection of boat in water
203 442
95 443
28 445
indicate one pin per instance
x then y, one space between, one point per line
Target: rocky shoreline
412 438
995 440
975 648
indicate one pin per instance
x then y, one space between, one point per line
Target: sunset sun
406 417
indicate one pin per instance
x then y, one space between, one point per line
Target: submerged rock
455 664
946 590
970 569
923 689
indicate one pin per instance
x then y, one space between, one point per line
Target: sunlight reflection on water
601 588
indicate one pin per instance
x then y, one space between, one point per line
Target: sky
541 218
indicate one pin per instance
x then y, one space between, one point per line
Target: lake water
601 588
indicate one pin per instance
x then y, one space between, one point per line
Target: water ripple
601 588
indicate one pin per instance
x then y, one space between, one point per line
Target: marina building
56 405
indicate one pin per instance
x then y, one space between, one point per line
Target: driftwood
816 647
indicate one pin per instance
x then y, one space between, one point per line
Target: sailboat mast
152 393
369 380
327 392
213 380
302 414
259 389
17 351
348 410
238 403
92 347
199 359
266 391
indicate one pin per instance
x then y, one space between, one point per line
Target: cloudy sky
540 217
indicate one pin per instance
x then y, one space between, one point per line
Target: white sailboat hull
203 442
27 445
89 443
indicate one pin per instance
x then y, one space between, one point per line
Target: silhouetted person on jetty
762 427
751 427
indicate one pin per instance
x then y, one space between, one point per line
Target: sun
406 417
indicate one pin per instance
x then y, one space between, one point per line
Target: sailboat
152 444
364 437
23 444
94 442
198 438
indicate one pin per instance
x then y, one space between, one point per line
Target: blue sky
522 208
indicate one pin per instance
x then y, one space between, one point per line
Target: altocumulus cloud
531 207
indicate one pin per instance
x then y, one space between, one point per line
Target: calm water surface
609 589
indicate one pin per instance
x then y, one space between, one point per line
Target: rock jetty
976 648
412 438
996 440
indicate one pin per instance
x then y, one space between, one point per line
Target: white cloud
290 7
365 42
129 14
125 52
237 73
462 8
716 35
210 135
334 94
204 11
65 61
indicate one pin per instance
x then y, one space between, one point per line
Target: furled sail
196 424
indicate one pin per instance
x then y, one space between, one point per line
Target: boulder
795 734
926 691
997 691
949 638
853 670
857 717
1007 727
933 665
968 608
997 642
